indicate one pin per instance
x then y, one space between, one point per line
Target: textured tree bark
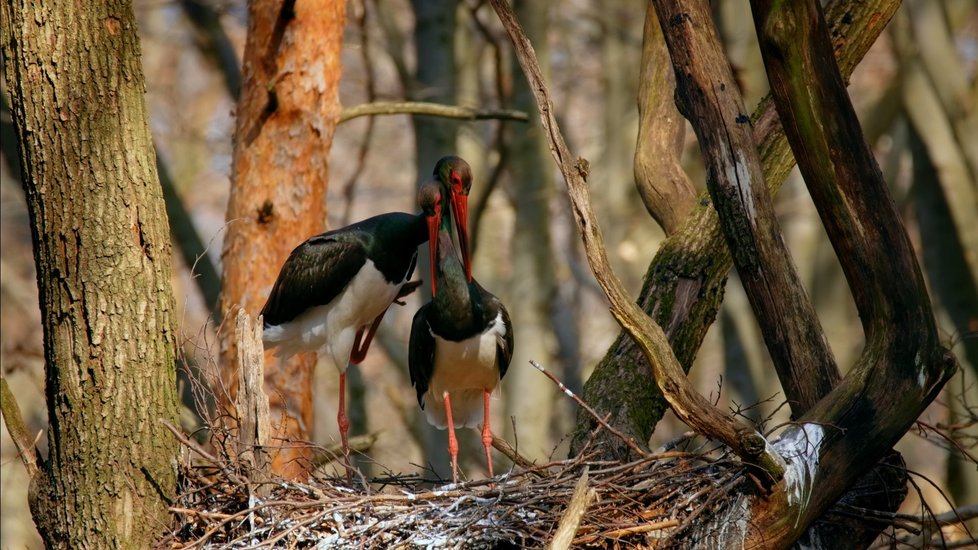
287 114
707 95
103 256
684 283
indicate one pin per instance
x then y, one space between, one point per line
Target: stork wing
504 344
315 273
421 353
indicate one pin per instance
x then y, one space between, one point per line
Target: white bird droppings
799 447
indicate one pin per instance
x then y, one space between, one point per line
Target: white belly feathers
334 326
465 369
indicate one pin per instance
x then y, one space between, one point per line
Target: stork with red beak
335 288
462 341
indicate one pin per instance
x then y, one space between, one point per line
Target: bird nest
584 502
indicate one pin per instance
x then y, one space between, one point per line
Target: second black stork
462 341
335 288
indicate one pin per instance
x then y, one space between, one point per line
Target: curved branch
688 405
664 186
429 109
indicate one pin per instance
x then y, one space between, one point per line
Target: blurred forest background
915 93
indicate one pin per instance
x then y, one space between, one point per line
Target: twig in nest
628 441
504 447
192 445
633 530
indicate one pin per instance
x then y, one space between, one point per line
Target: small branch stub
567 528
251 403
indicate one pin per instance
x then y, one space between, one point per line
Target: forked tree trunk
102 251
287 114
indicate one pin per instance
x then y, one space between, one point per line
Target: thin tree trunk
434 81
532 285
103 257
287 113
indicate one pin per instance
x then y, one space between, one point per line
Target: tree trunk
434 81
532 285
103 256
287 114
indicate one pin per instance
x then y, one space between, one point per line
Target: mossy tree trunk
103 257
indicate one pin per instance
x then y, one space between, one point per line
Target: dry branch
429 109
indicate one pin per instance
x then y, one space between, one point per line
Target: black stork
462 340
335 288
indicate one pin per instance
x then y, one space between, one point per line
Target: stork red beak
460 210
433 222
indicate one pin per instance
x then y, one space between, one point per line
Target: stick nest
644 503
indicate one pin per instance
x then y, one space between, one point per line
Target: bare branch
665 187
429 109
628 441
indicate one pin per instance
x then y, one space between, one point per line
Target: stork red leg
344 423
487 434
360 349
452 442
